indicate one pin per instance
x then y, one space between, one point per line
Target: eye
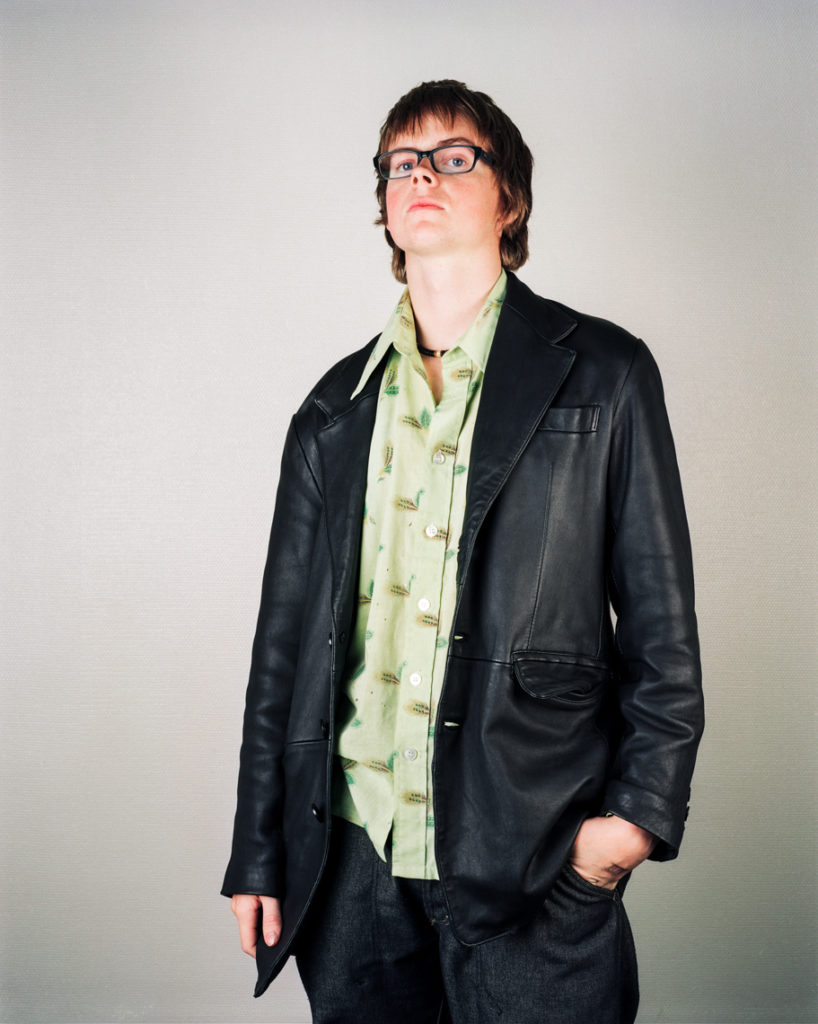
455 158
402 163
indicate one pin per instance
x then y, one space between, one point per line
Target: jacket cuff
649 811
266 881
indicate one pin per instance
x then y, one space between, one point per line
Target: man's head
449 101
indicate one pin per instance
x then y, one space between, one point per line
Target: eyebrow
442 142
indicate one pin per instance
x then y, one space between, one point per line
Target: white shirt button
438 457
415 679
411 754
431 530
424 604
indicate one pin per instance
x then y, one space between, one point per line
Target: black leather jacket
547 714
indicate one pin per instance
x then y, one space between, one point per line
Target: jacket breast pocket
581 419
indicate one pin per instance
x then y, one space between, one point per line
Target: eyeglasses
401 163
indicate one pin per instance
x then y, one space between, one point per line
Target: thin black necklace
438 353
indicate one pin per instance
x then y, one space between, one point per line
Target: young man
451 760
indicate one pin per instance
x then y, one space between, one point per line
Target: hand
246 907
605 849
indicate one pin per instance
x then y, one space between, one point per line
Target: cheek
485 208
497 209
488 214
390 205
393 220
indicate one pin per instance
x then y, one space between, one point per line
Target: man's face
433 215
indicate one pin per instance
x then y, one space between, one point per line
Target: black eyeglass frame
479 154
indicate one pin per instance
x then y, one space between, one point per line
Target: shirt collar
400 332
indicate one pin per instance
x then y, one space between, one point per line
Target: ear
502 222
505 217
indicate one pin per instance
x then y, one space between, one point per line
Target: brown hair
513 162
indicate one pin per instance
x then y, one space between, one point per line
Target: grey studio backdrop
187 243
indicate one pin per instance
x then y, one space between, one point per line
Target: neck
447 296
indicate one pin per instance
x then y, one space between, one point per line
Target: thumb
270 919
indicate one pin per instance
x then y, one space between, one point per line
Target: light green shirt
415 502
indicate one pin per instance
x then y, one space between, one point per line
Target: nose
424 172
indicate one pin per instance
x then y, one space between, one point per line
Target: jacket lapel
343 447
524 372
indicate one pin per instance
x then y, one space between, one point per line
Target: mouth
425 204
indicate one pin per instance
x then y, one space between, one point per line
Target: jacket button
317 813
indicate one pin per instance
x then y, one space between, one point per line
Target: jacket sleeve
256 864
651 587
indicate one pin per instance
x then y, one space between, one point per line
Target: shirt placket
430 542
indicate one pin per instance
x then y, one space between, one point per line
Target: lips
425 204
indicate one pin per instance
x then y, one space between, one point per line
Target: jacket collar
542 322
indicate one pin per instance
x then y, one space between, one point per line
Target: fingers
603 878
599 874
246 907
271 919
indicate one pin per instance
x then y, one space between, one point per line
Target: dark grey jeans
379 950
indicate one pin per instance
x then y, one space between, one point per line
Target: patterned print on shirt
390 386
393 678
388 453
418 707
418 424
399 590
407 504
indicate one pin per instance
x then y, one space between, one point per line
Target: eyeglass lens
446 160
